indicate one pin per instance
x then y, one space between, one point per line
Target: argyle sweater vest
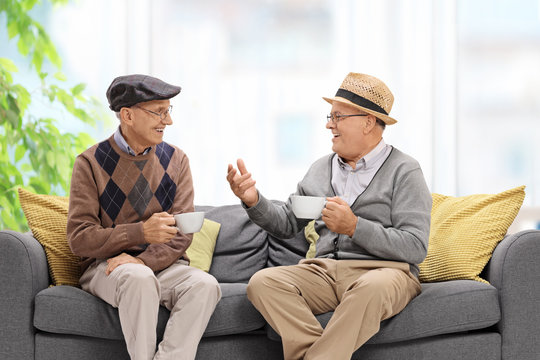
113 193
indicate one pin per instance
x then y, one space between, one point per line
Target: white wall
253 74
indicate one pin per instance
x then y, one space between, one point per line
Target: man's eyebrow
160 108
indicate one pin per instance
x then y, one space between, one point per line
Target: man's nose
330 124
167 120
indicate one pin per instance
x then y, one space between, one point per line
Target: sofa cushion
441 308
464 232
311 237
70 310
47 217
241 247
286 251
201 250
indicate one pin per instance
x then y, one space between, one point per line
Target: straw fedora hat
366 93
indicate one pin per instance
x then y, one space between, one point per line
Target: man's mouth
159 130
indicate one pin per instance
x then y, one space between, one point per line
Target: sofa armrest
23 273
514 270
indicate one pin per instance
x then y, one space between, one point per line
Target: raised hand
159 228
242 185
338 216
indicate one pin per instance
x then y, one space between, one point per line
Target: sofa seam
422 334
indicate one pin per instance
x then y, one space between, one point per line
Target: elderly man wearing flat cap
372 234
124 192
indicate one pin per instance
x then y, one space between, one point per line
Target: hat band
360 101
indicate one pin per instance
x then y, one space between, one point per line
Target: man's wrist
353 228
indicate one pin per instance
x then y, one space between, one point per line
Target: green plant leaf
19 152
51 161
37 60
9 220
13 29
8 65
23 46
12 118
78 89
35 152
60 76
28 4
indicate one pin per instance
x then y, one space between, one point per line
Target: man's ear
126 116
370 122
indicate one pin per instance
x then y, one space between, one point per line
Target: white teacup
189 223
307 207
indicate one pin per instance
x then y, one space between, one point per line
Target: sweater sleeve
407 239
160 256
278 220
86 236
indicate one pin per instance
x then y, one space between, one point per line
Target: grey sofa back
243 248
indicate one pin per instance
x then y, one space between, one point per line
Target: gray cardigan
393 213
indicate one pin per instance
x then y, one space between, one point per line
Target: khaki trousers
361 293
189 293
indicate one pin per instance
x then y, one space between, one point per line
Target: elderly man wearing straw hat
373 232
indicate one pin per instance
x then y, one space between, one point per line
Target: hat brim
387 119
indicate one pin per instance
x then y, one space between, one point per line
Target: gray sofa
449 320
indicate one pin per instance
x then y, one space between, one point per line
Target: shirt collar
368 160
123 145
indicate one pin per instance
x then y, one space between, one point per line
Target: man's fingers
231 174
241 166
110 267
339 200
246 185
169 221
162 214
238 182
331 205
243 178
171 230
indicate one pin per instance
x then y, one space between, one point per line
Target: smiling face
141 128
353 137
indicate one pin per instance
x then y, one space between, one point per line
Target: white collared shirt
123 145
349 183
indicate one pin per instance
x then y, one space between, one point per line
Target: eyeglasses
336 118
161 115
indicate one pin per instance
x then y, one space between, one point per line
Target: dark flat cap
126 91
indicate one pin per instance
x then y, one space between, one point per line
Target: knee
259 283
208 286
139 279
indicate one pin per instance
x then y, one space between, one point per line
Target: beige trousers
189 293
361 293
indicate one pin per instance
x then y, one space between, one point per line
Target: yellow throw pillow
465 231
201 250
311 237
47 218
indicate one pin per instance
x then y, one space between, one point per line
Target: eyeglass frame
333 117
162 115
